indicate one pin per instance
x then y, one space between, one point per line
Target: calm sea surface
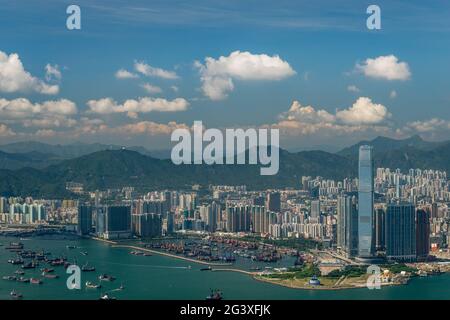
157 277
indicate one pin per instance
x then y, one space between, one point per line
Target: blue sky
324 90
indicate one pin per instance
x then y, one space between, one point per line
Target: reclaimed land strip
172 255
236 270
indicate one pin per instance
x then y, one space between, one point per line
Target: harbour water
158 277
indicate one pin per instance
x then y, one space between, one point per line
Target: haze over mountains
37 169
39 155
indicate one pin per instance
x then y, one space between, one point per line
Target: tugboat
87 268
215 295
92 285
105 277
15 295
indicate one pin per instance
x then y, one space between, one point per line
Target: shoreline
254 275
320 287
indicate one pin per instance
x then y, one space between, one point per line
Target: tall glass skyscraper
347 226
401 232
365 202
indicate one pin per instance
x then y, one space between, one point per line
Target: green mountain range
118 168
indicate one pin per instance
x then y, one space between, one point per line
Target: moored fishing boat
87 268
105 277
49 276
35 281
92 285
24 280
15 295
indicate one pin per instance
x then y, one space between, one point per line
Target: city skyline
211 149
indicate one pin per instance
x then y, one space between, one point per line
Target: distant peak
415 137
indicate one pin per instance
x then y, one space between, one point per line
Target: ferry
15 295
92 285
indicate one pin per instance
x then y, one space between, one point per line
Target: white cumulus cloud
5 131
363 111
125 74
151 88
353 88
362 116
52 72
57 113
14 78
217 75
24 108
149 71
133 107
385 67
